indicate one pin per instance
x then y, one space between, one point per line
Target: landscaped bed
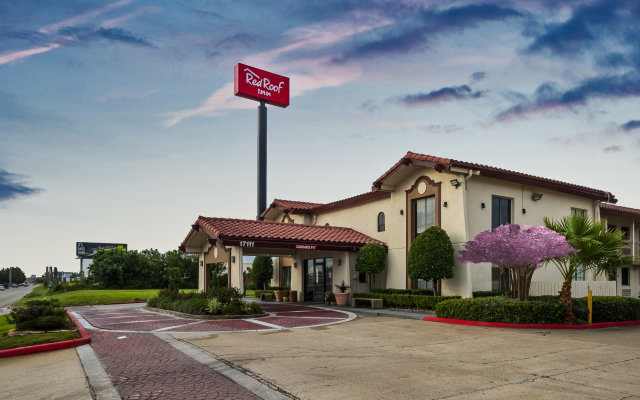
543 310
217 302
404 299
38 322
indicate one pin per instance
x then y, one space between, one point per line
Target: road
10 296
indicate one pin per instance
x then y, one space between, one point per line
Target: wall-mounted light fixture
536 196
201 263
524 210
233 259
455 183
444 204
295 265
339 261
482 205
401 212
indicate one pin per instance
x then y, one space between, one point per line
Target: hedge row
407 300
415 292
610 308
543 310
488 293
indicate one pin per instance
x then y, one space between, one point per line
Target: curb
531 326
123 302
38 348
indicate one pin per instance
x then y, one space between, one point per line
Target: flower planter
278 294
342 299
293 296
285 299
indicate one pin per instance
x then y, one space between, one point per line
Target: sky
118 121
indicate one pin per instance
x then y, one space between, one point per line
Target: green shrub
251 286
232 309
39 315
220 300
489 293
407 300
609 308
415 292
501 309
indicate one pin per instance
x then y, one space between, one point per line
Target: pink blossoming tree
518 252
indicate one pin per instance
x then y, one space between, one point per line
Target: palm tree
600 250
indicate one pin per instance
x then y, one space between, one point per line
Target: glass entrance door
318 278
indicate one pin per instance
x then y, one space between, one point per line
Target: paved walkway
143 361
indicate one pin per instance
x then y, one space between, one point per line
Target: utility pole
10 269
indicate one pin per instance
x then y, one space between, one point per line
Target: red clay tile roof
352 201
445 164
296 207
610 209
229 229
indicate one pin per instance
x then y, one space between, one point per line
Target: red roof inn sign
257 84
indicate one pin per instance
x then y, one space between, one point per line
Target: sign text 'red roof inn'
257 84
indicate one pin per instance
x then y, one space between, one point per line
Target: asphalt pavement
11 295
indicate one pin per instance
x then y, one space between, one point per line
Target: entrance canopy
251 234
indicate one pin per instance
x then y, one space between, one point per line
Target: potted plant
329 298
342 296
279 293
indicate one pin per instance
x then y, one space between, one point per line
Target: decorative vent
626 292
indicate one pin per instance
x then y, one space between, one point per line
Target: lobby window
500 211
381 226
424 214
579 212
362 277
624 276
625 232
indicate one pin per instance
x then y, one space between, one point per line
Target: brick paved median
142 366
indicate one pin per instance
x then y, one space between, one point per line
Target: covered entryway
318 256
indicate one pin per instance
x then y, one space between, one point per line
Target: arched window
381 222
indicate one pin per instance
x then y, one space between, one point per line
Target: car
1 288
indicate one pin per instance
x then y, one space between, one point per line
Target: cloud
549 97
11 186
612 149
606 30
66 32
408 33
478 76
444 94
631 125
82 18
442 129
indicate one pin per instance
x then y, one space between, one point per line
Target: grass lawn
250 293
11 342
90 297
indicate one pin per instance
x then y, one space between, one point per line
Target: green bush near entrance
609 308
407 300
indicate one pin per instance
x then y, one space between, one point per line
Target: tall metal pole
262 158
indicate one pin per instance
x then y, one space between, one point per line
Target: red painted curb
38 348
531 326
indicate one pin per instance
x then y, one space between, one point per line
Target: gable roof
619 211
292 206
230 231
352 201
445 164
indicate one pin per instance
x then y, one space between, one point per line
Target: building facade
418 191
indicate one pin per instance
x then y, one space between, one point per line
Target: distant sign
257 84
307 246
87 250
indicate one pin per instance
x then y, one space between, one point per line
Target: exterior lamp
536 196
455 183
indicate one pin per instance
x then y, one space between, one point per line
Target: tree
174 278
431 256
372 259
518 252
262 271
17 275
219 275
188 265
600 250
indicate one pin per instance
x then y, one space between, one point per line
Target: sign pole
262 158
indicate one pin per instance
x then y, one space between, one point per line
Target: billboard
88 249
257 84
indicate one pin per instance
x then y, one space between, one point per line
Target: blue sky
118 121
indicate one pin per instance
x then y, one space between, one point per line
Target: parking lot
383 358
